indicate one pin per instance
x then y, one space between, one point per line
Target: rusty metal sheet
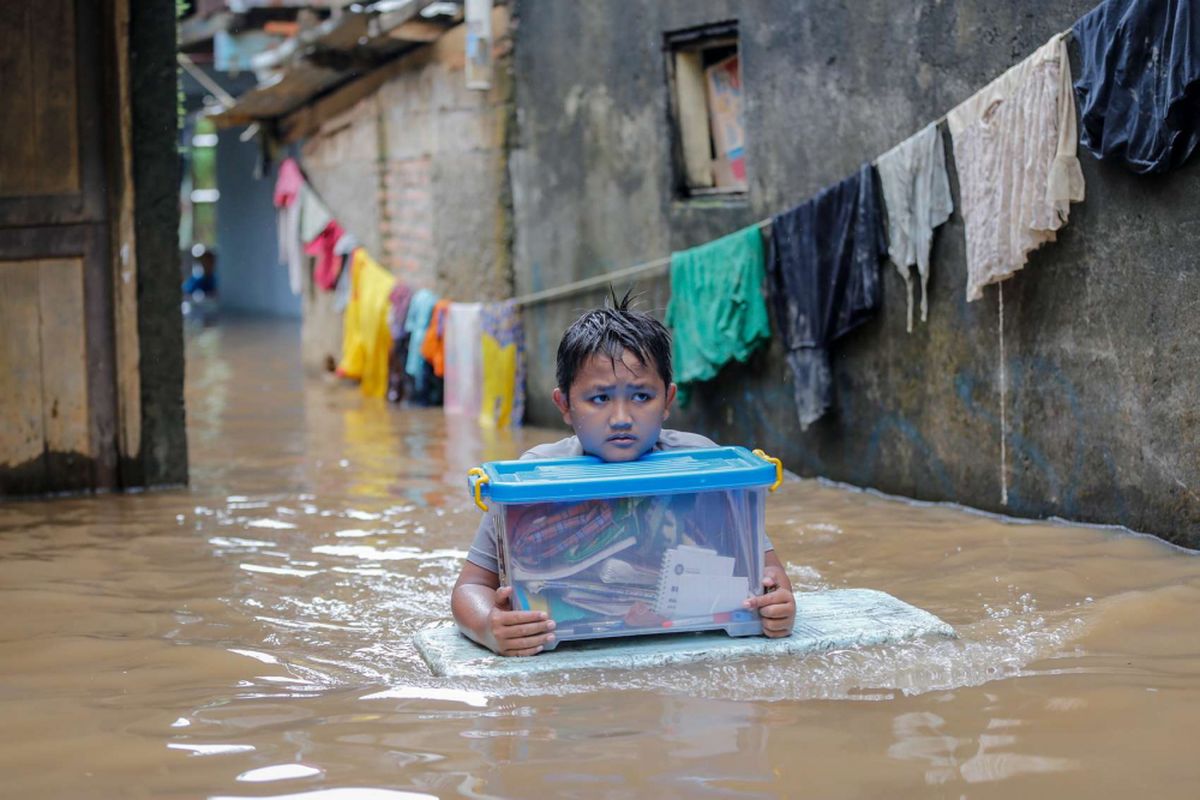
337 52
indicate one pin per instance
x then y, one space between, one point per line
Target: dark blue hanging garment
1139 88
823 276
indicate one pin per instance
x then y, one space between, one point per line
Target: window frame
686 166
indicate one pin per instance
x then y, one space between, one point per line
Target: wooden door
57 376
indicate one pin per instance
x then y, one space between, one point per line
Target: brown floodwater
250 636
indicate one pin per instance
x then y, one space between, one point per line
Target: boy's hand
518 633
777 607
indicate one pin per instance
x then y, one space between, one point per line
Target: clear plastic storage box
671 542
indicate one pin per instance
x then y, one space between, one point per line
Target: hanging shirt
288 185
400 297
1014 149
325 272
366 341
314 216
398 381
341 292
823 276
346 244
464 359
420 309
916 191
502 400
344 249
717 313
1137 89
433 346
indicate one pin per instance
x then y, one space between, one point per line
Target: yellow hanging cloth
366 339
499 383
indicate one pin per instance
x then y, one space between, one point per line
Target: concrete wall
1101 422
444 210
342 163
250 280
417 170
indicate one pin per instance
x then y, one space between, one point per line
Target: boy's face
617 409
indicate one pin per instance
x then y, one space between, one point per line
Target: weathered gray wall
1100 328
163 458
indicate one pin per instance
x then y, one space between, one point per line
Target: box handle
480 479
778 468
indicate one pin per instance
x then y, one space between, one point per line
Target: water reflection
352 793
922 736
278 772
677 745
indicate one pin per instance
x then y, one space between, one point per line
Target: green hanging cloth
717 312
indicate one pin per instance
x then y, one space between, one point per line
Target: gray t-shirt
483 548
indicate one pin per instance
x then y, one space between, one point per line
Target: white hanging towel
288 186
916 191
464 359
1014 147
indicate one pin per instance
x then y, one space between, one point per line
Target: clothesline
533 298
574 287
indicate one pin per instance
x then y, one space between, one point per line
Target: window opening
704 72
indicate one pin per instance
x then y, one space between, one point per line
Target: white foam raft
827 620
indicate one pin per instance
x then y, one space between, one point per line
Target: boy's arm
777 606
483 613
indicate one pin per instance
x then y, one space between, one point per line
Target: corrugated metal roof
335 53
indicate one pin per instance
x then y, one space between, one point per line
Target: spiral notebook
696 582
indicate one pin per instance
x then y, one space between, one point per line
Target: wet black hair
611 330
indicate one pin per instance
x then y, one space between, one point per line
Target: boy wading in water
615 391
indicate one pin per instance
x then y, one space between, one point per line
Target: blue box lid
585 477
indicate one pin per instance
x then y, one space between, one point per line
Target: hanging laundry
502 401
347 244
341 292
324 247
344 248
428 389
433 346
366 341
464 364
1014 149
314 216
399 384
353 343
717 313
916 192
823 276
400 297
288 185
420 309
1137 89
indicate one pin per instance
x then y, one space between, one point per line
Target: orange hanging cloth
433 349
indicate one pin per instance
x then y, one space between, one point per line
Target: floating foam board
828 620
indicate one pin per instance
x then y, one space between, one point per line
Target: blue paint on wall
250 279
1034 480
893 426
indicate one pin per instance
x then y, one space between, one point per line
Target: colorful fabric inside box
671 542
